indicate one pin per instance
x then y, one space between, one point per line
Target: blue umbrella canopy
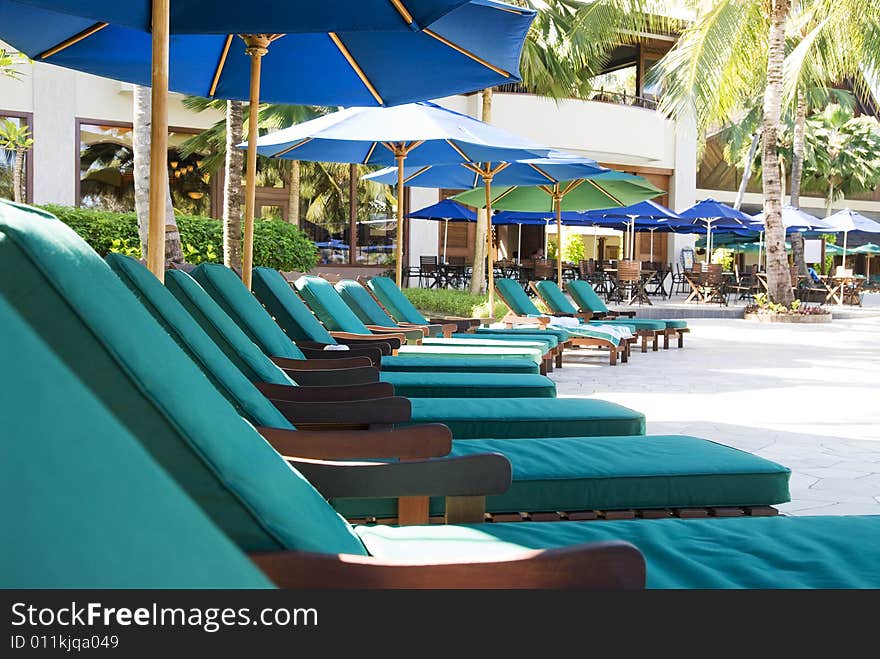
474 46
847 220
191 17
445 210
712 215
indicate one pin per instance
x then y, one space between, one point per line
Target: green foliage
830 239
277 244
723 256
8 62
574 250
452 302
15 136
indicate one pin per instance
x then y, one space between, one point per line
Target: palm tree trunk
778 277
829 200
141 144
294 185
797 166
747 172
352 212
18 192
232 185
479 275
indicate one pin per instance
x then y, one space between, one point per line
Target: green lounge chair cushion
418 364
328 306
363 305
516 298
490 341
222 372
744 552
549 340
634 324
228 336
554 298
87 506
291 313
614 473
470 385
473 353
228 291
397 304
504 418
561 335
587 299
108 339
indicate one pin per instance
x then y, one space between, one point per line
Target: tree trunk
141 145
480 255
747 172
829 200
797 166
352 212
294 185
18 191
232 185
778 277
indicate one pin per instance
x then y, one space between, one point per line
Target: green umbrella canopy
610 190
868 248
837 250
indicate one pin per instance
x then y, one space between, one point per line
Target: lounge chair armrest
584 315
427 329
429 440
463 475
511 319
601 565
368 391
626 314
384 343
384 332
458 324
334 377
322 364
385 411
373 352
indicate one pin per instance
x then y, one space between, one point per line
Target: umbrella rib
417 173
355 66
465 52
605 192
458 150
546 189
370 153
296 145
401 9
572 185
76 38
542 172
220 65
504 194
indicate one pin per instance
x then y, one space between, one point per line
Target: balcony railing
598 95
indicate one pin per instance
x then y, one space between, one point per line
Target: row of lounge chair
173 423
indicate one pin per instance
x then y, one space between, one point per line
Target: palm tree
141 146
16 137
8 61
234 162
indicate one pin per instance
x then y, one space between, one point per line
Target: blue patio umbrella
557 176
847 220
643 216
710 214
316 58
417 133
793 219
447 211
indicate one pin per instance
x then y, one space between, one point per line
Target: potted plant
765 311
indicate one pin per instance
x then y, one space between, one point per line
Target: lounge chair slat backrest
228 336
585 296
228 291
395 301
554 298
223 373
57 283
362 304
292 315
69 466
328 306
515 297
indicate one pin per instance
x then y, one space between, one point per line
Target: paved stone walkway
806 396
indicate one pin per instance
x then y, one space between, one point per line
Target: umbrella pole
445 236
557 201
490 275
158 140
400 157
651 258
256 46
709 242
843 256
519 244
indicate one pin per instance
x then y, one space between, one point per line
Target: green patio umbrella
869 250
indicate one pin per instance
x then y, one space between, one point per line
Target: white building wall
682 185
423 234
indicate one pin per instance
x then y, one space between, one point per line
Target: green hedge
452 302
277 244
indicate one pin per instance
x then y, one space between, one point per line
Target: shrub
451 302
277 244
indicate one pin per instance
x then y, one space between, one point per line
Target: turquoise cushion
362 303
474 353
585 297
614 473
744 552
108 339
86 505
291 313
230 293
393 299
515 298
328 306
554 297
516 418
490 341
634 324
441 364
549 339
470 385
228 336
675 324
561 335
222 372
